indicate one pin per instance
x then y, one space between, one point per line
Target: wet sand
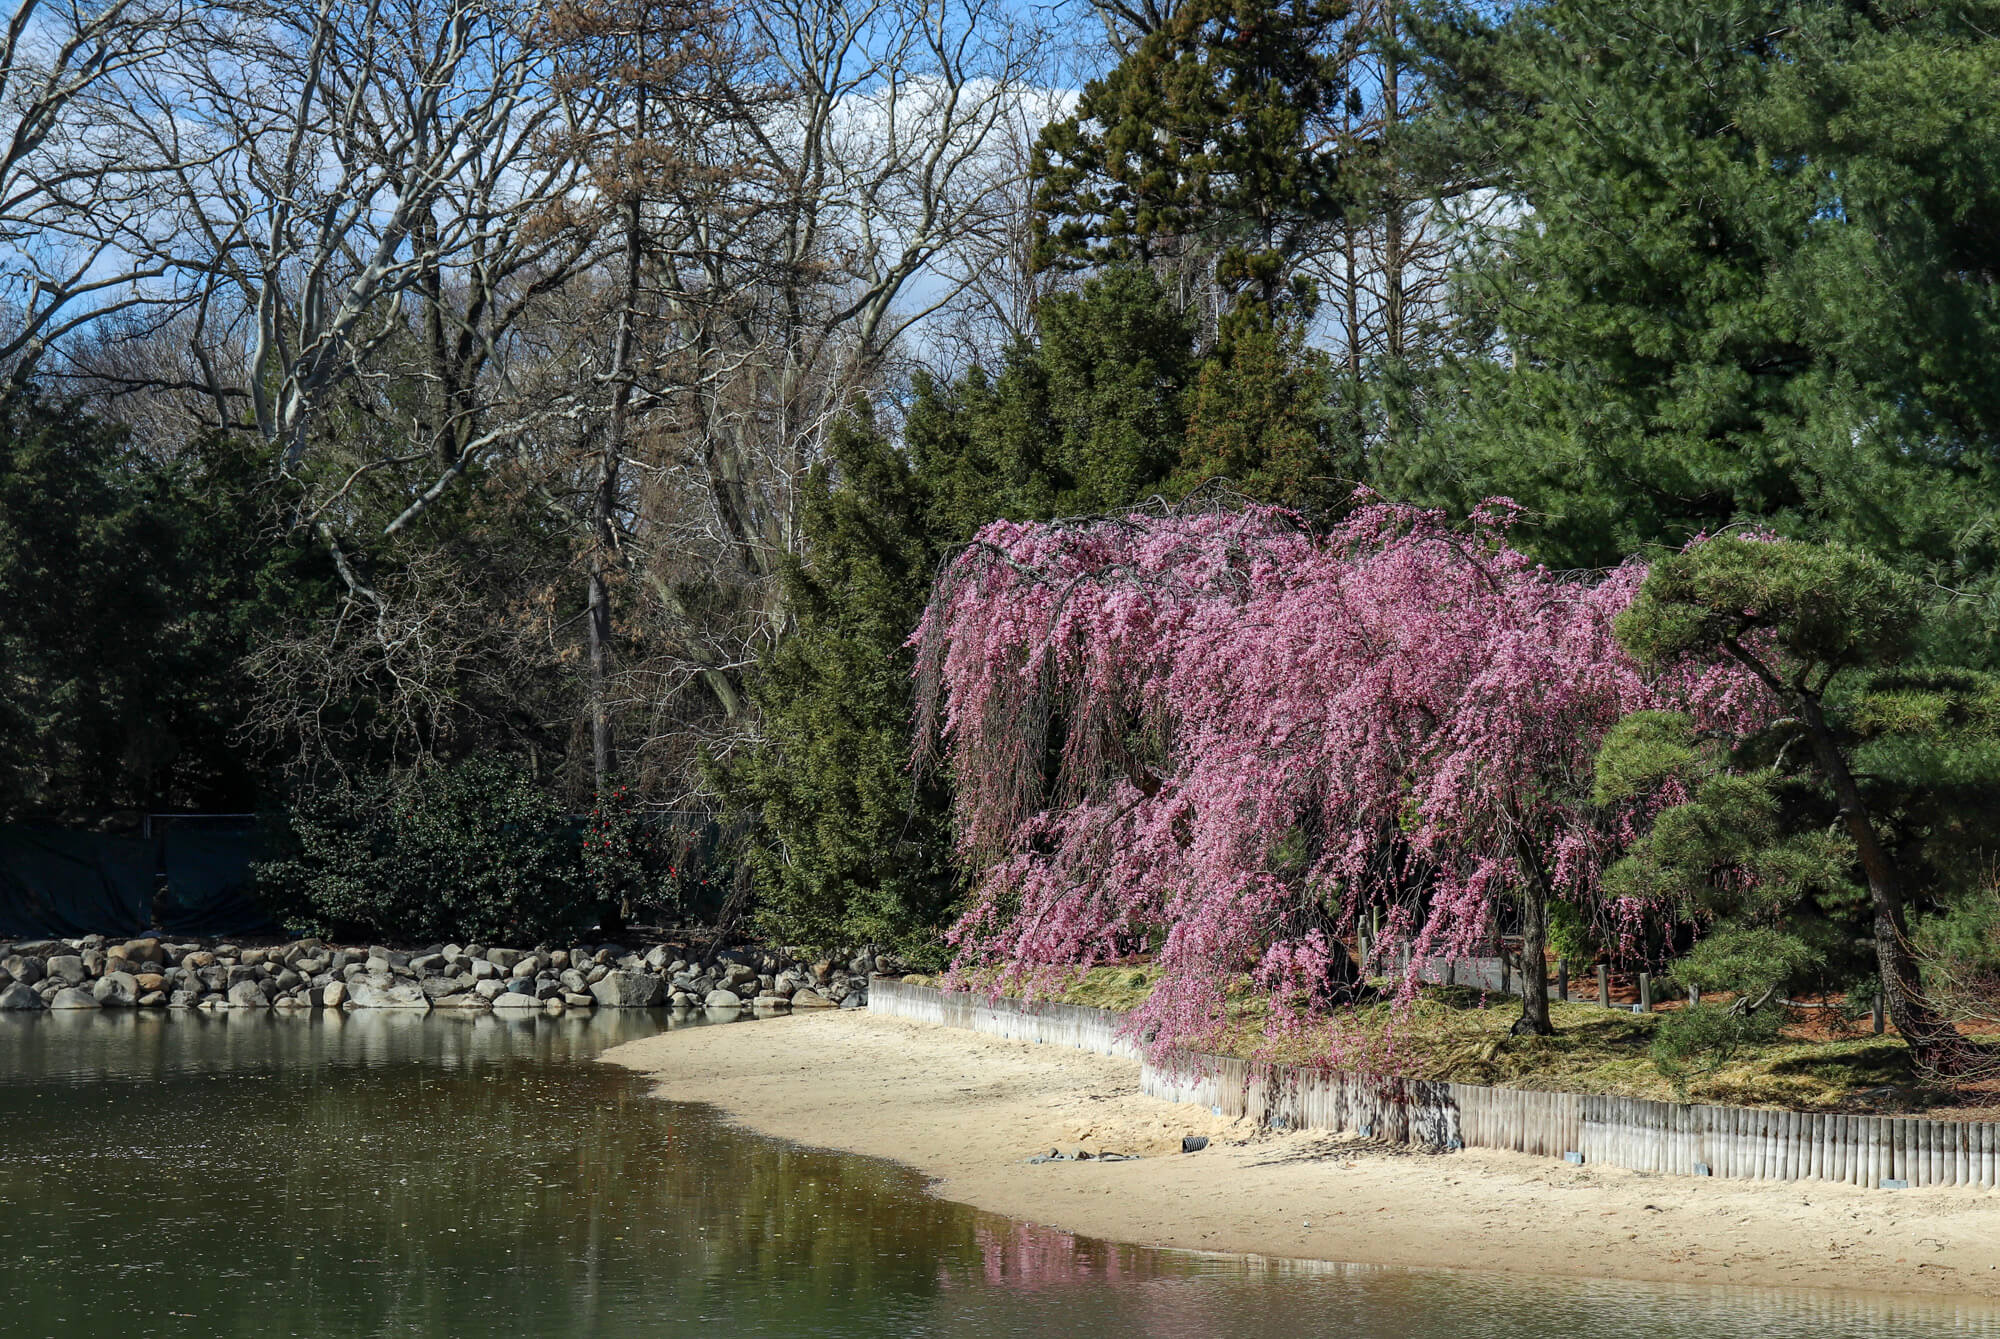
967 1110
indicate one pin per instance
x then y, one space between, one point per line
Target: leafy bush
469 851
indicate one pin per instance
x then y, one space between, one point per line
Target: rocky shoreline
152 973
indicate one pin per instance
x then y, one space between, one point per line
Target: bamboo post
1645 992
1562 979
1604 985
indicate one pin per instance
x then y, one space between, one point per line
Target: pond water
382 1175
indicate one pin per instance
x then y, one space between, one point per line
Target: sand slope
966 1109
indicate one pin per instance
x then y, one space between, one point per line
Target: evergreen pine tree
855 848
1259 420
1752 275
1089 418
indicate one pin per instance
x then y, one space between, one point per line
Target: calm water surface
379 1175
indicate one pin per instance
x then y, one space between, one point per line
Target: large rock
503 958
248 995
22 968
117 990
68 969
509 1002
437 988
722 999
628 990
771 1004
150 982
488 990
334 994
577 999
809 998
366 995
465 1000
73 997
183 999
20 995
573 982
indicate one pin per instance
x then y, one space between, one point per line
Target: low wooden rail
1679 1138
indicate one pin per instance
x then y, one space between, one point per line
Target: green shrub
469 851
1756 964
1702 1038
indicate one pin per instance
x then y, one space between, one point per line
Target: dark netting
208 888
63 884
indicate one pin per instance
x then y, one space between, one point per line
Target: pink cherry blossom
1180 729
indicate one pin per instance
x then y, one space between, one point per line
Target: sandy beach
967 1110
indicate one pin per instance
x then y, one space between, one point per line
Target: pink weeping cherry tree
1228 737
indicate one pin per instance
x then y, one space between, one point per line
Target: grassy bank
1459 1035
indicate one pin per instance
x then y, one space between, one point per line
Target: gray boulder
183 999
333 994
680 999
22 968
809 998
248 995
20 995
628 990
509 1002
722 999
366 995
503 958
483 970
577 999
437 988
488 990
855 1001
68 969
573 982
771 1004
116 990
74 997
430 964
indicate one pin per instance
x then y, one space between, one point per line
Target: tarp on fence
208 888
64 884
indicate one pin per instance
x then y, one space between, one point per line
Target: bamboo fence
1675 1138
